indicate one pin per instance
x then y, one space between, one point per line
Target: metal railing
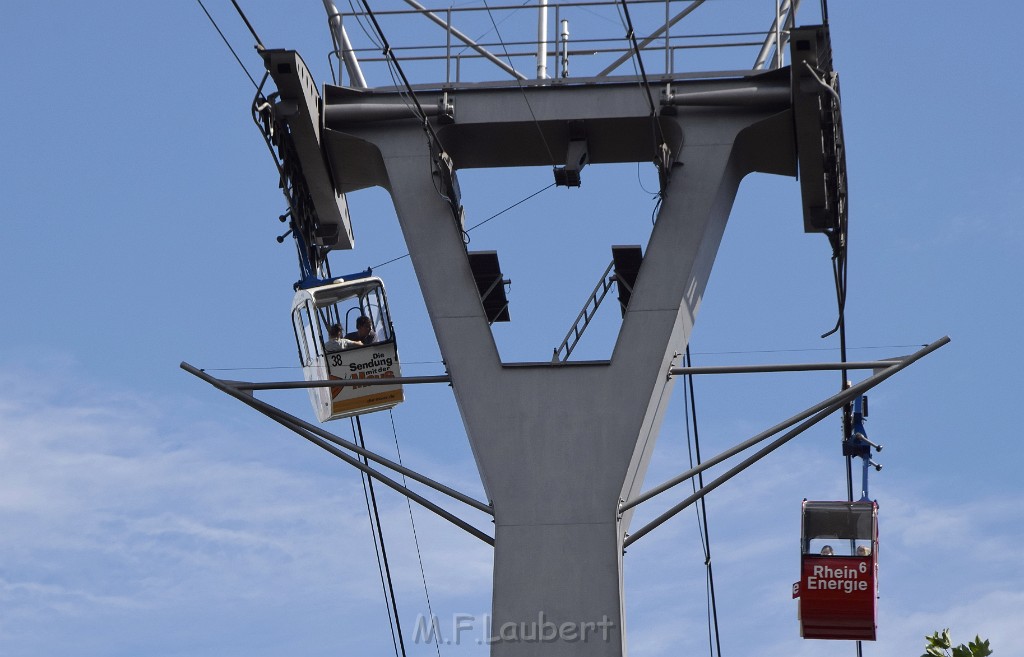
585 39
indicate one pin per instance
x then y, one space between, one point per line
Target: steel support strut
322 438
810 417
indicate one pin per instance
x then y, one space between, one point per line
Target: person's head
334 332
863 551
827 551
363 326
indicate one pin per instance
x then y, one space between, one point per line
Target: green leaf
938 640
979 648
940 643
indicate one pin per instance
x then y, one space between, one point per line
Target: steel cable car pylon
558 447
562 448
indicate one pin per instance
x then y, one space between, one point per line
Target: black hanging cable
839 274
493 216
376 547
415 536
380 566
480 37
228 44
848 408
390 592
519 202
839 240
358 16
700 528
433 142
840 269
660 144
657 206
702 512
390 54
631 35
241 13
640 182
519 82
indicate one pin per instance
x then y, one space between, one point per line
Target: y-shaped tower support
559 445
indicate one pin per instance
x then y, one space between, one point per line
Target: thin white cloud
109 515
942 564
120 518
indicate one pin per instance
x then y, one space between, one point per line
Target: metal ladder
561 353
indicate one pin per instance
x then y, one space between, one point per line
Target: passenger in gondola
364 333
337 342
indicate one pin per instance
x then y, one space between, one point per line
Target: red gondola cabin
838 587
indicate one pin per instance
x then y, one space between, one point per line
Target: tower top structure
562 447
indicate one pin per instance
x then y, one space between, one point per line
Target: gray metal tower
563 447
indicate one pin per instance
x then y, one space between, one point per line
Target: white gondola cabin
838 587
343 332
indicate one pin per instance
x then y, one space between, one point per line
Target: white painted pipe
542 40
565 48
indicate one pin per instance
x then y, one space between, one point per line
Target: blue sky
144 513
